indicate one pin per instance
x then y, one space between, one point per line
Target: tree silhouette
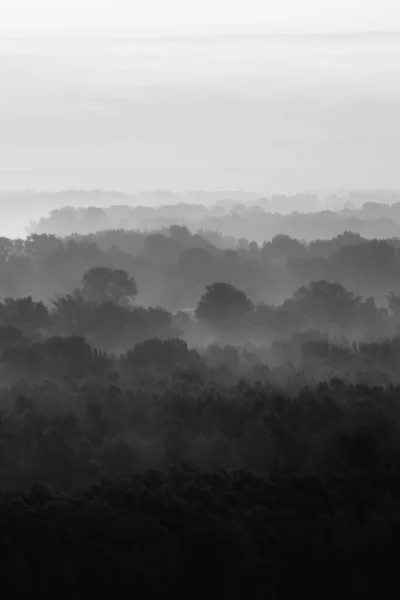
223 302
23 313
101 284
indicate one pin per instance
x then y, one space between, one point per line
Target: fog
200 316
259 113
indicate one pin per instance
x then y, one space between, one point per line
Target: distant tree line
172 267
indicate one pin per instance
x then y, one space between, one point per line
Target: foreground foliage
186 533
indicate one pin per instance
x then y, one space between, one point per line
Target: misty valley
202 398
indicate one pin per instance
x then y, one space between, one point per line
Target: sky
180 17
255 114
261 114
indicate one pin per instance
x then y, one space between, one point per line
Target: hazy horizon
255 113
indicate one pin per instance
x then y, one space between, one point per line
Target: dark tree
10 336
23 313
325 302
161 354
70 313
283 246
223 302
101 284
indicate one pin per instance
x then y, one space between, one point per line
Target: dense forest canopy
188 370
172 266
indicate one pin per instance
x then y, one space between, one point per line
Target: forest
183 410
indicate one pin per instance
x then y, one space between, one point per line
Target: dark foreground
189 534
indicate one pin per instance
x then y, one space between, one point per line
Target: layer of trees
241 441
104 311
172 267
242 213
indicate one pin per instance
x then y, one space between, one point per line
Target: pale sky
264 114
201 16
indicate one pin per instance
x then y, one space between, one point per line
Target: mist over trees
245 215
245 387
199 390
171 267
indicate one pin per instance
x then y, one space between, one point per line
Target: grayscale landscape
200 299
